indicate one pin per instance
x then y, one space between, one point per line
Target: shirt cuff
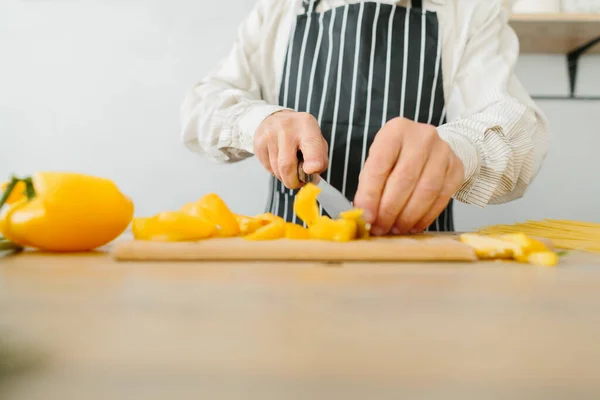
250 121
467 152
464 149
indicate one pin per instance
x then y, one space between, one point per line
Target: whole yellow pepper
173 226
64 212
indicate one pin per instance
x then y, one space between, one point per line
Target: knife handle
303 176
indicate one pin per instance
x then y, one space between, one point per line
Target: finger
287 160
273 150
314 149
262 155
426 191
435 211
401 184
382 158
453 180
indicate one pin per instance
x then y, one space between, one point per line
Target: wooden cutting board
442 247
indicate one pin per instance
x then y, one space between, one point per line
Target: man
402 106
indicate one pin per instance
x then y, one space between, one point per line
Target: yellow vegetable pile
517 246
210 217
68 212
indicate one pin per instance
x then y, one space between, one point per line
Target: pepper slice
66 212
305 206
248 225
212 208
274 230
296 232
340 230
173 226
356 215
543 258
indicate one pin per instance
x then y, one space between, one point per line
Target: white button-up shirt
493 125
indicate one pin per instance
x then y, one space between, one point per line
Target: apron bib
354 68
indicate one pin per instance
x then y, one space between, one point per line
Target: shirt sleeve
493 125
222 112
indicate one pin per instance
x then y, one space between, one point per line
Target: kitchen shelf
570 34
556 33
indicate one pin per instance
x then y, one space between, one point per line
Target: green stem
29 189
11 186
5 245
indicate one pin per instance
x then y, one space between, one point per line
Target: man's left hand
408 178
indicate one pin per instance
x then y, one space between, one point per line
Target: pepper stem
5 245
29 189
11 186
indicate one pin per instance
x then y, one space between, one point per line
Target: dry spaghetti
564 234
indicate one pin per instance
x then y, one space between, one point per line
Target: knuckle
407 179
286 166
398 121
431 186
387 214
406 222
429 135
306 117
445 150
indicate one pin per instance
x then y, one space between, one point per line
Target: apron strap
417 3
310 5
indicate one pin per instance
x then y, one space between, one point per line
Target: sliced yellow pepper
266 218
296 232
340 230
248 225
543 258
518 247
274 230
356 215
212 208
173 226
525 245
66 212
305 206
489 247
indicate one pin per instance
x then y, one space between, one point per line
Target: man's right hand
279 138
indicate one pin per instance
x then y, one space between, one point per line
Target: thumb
314 152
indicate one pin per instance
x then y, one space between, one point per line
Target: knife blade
331 199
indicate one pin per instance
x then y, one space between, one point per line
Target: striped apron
354 68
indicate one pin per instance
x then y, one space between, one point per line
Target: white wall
95 86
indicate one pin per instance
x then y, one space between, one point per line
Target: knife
331 199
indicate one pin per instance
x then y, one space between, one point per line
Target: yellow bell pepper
65 212
173 226
266 218
339 230
212 208
518 247
276 229
248 225
305 206
356 215
296 232
543 258
524 245
17 192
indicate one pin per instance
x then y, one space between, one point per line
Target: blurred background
96 86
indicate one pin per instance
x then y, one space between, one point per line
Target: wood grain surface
87 327
416 248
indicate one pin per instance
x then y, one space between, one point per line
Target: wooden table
85 327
